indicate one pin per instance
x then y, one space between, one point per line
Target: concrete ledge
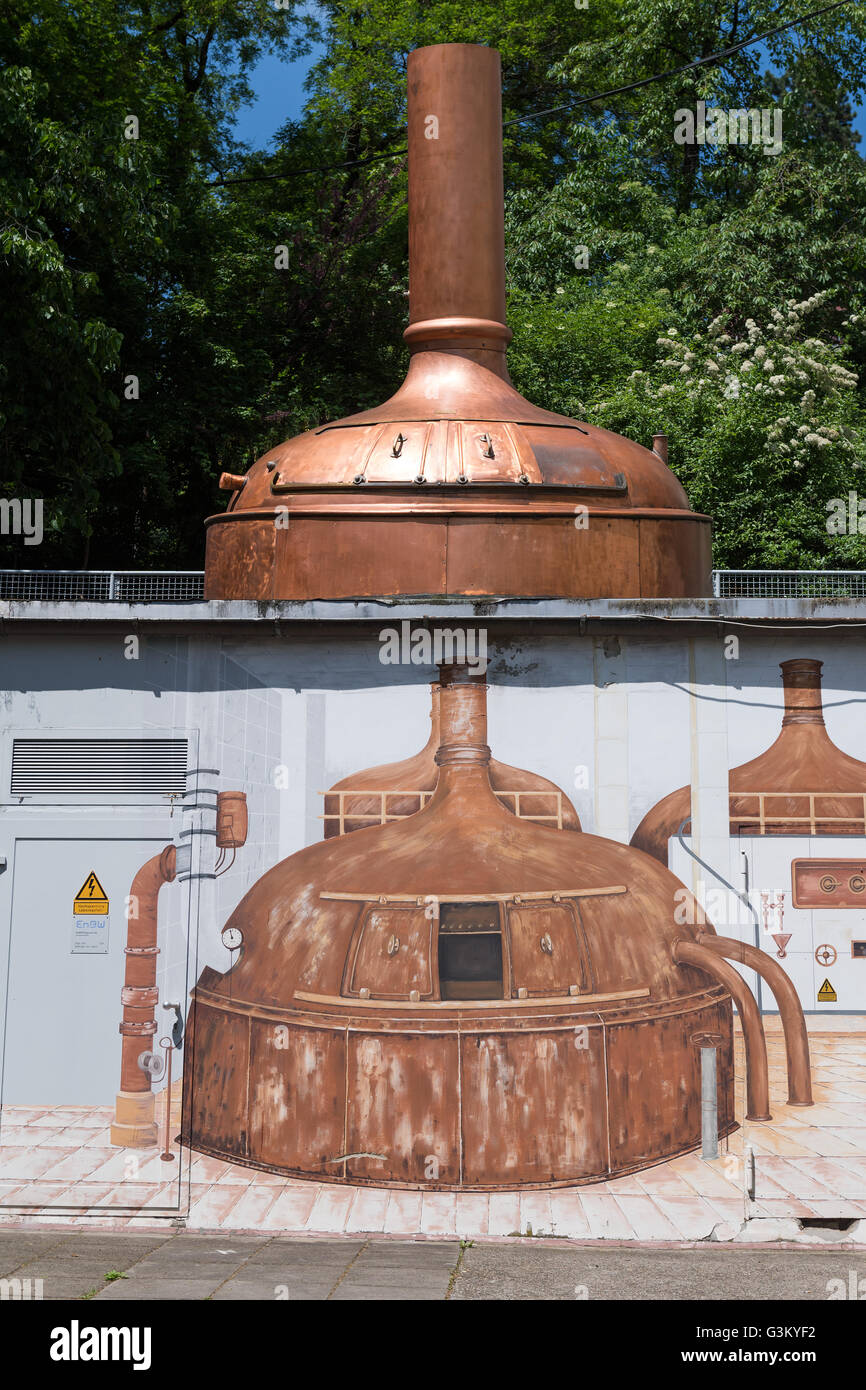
226 612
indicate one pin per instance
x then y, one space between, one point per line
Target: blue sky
280 97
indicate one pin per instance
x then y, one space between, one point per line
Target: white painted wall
643 713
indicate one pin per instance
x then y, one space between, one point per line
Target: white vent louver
94 767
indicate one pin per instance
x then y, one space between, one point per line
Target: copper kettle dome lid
457 439
803 758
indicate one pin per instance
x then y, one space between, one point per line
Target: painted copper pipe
790 1009
140 993
456 201
757 1076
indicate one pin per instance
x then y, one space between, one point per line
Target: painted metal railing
514 801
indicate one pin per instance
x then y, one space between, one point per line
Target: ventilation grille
88 767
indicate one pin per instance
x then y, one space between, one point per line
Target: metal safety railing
102 586
789 583
187 586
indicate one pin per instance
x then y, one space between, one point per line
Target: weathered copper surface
400 789
463 999
457 484
231 820
802 785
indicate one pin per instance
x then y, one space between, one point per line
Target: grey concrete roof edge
243 611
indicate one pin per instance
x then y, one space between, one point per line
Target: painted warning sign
91 900
826 994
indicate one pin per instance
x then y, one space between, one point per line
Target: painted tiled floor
809 1163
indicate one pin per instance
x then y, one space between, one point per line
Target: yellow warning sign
91 899
826 994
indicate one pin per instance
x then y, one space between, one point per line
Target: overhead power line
676 72
712 60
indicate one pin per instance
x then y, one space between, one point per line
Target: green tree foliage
110 249
252 299
678 237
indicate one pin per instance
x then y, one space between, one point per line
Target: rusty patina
464 999
457 485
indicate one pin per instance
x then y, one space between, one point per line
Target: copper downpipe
757 1076
134 1126
790 1010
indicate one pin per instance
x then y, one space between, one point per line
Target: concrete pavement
123 1266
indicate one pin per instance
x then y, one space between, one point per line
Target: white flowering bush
766 425
767 365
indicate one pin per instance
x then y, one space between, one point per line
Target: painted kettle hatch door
457 484
463 998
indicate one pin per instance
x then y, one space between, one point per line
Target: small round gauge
232 937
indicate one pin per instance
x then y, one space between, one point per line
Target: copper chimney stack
456 201
457 485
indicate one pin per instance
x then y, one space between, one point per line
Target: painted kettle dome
803 784
463 999
399 789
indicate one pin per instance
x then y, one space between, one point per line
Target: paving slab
417 1269
19 1248
419 1254
388 1294
523 1273
254 1293
157 1290
265 1289
303 1254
